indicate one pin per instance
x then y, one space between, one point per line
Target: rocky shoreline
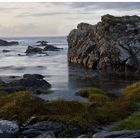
111 45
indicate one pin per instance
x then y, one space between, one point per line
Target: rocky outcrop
6 43
33 50
51 48
111 45
30 82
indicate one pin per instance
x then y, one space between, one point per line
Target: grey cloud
107 5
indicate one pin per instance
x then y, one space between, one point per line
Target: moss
114 110
131 123
132 92
98 98
123 20
87 92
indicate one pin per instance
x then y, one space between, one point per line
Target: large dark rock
51 48
118 134
31 82
6 43
33 50
111 45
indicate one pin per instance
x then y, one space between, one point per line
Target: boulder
111 45
30 82
118 134
8 129
33 50
6 43
51 48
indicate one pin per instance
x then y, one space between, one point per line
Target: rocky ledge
111 45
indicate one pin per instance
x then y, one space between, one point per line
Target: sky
56 18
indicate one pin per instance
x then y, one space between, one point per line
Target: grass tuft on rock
131 123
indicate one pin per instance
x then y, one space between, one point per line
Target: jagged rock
8 129
51 48
33 50
6 43
111 45
118 134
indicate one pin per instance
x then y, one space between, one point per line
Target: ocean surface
65 78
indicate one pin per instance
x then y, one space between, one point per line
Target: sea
66 79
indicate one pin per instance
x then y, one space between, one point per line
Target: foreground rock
51 48
6 43
111 45
8 129
31 82
118 134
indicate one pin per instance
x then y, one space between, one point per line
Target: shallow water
65 79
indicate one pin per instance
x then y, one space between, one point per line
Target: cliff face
111 45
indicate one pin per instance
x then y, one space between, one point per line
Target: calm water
65 79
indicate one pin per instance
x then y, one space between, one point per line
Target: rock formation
6 43
111 45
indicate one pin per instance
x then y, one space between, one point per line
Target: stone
30 82
48 134
42 43
118 134
31 133
33 50
112 45
84 136
8 128
6 43
46 126
6 51
51 48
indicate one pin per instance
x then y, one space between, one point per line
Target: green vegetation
123 20
131 123
101 109
87 92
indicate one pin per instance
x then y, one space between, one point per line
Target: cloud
107 5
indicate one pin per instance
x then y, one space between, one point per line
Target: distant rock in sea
6 43
111 45
33 50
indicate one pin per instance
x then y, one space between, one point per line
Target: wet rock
30 82
6 51
8 129
46 126
6 43
33 50
42 43
85 136
111 45
118 134
51 48
31 133
48 134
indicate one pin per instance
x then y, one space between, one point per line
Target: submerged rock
6 43
111 45
118 134
8 129
51 48
33 50
6 51
42 43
